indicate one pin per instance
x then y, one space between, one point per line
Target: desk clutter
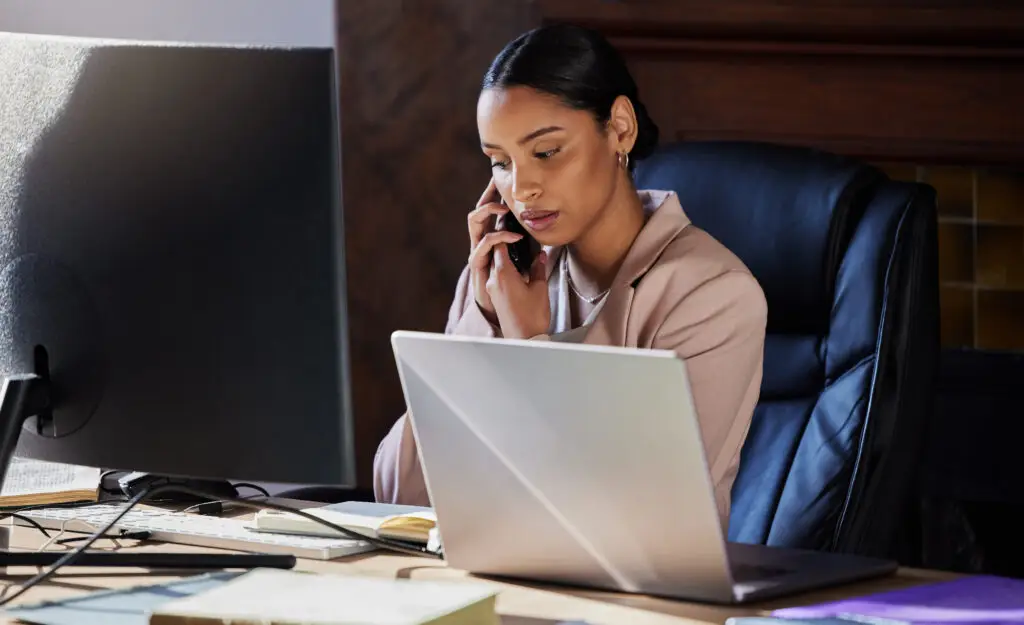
274 597
31 486
267 596
195 529
270 531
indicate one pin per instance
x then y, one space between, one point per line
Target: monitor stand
24 396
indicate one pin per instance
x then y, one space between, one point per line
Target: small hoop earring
624 160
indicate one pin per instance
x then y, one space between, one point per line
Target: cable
214 508
63 529
42 576
255 487
25 519
108 473
383 543
4 514
150 492
123 535
69 505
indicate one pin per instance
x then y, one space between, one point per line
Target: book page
370 514
347 519
411 523
28 477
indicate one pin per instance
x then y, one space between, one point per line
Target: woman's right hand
482 239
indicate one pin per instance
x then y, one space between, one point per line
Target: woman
561 122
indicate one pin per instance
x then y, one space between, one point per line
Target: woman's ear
622 124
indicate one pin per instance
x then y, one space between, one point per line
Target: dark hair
578 66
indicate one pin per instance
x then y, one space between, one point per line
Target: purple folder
980 600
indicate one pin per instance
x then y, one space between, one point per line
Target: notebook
971 600
408 523
284 597
32 482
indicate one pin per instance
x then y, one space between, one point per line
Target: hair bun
579 67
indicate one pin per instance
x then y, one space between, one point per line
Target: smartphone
523 251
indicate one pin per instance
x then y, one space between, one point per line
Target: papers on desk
32 482
278 597
274 597
129 606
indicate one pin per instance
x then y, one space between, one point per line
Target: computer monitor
172 272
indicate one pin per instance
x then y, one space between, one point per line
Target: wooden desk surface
519 603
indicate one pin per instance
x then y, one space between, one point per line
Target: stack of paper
278 597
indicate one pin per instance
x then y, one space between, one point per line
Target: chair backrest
847 261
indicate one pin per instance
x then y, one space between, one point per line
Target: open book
33 482
408 523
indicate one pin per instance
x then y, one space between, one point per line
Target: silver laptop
583 465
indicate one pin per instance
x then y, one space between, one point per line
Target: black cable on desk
256 487
71 556
122 535
67 505
25 519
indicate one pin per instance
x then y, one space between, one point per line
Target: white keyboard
194 529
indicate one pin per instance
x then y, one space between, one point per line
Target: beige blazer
678 288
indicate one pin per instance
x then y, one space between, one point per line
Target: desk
519 603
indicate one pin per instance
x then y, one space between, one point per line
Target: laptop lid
566 463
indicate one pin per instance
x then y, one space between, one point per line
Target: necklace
568 278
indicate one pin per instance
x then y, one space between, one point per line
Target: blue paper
980 600
127 606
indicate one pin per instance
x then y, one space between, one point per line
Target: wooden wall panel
984 23
876 107
921 80
411 169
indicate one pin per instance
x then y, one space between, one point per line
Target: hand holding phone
522 252
508 270
483 237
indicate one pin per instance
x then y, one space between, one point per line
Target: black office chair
848 263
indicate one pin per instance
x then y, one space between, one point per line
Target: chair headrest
786 212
